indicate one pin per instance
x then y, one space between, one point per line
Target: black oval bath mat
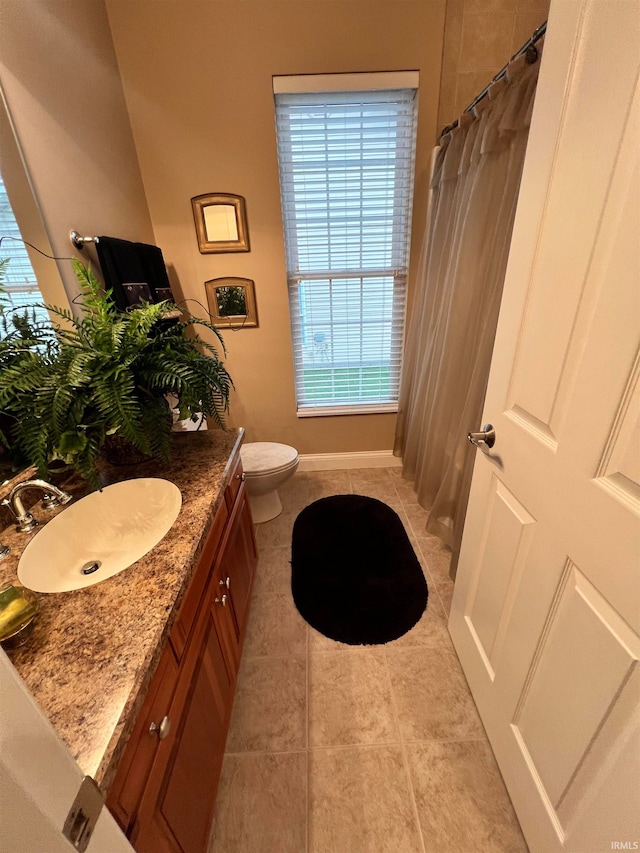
354 575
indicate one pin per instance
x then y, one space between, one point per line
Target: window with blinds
346 176
19 285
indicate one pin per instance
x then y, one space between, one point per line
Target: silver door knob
226 583
487 436
163 729
222 601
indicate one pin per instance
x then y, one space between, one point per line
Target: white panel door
39 779
546 611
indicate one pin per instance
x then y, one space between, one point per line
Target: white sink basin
112 528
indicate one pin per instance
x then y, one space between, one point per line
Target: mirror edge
205 246
240 321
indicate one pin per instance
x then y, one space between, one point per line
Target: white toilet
267 465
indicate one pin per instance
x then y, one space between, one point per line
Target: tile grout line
274 657
305 750
361 649
434 585
405 761
308 692
432 588
375 745
258 753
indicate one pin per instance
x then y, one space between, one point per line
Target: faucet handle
25 521
51 501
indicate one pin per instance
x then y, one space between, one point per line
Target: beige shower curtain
474 187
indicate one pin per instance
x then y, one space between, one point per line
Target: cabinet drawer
237 478
127 789
189 607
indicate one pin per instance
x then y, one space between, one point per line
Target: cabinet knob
241 477
222 601
226 583
163 729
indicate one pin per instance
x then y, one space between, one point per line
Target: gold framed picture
221 223
232 302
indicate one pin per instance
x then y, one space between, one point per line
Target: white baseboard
342 461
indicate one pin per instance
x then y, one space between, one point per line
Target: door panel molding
536 428
559 721
618 469
506 541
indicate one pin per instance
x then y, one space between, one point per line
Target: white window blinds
346 174
20 285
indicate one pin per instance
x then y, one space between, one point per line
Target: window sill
336 411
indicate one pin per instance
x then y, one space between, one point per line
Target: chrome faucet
52 497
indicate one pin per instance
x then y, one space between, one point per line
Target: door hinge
84 814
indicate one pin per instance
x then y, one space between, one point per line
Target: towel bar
79 242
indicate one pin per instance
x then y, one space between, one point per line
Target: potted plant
106 374
21 341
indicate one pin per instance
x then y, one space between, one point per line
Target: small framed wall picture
232 302
221 223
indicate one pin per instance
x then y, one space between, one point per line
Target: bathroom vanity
137 674
165 786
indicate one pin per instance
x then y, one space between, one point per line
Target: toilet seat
262 458
261 475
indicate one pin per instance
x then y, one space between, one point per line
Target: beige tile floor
366 749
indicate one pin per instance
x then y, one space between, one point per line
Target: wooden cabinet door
238 561
200 579
175 814
130 781
235 482
190 785
224 617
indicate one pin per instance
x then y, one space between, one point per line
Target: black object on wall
134 272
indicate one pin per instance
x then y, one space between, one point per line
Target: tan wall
197 78
63 91
480 37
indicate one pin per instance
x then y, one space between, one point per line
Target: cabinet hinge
84 814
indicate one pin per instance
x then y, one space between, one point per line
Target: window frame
327 84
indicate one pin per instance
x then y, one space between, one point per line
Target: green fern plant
23 345
107 373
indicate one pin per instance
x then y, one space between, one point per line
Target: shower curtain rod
528 47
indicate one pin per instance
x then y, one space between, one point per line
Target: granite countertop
93 652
